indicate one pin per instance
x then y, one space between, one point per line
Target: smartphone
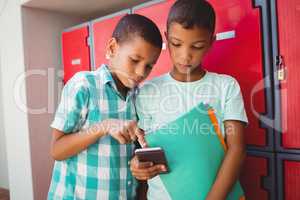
155 155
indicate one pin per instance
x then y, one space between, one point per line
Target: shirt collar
105 75
106 78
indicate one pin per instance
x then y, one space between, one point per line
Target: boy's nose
185 58
139 78
140 72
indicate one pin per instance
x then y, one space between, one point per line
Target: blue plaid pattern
102 170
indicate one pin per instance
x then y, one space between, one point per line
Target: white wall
15 122
27 137
3 158
42 32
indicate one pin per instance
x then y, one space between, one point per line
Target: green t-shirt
163 100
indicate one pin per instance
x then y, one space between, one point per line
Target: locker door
289 44
258 176
288 173
75 51
158 12
238 51
102 29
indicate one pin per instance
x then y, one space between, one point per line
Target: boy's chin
130 85
185 71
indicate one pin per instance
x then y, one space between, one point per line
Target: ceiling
82 8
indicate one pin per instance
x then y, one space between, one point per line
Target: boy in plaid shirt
94 126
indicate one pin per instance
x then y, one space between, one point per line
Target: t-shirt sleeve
71 112
234 105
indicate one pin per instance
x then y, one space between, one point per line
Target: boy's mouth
184 66
133 82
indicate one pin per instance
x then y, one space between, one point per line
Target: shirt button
129 182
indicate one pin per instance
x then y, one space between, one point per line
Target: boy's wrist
212 195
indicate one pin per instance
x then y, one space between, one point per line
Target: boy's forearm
228 174
141 193
67 146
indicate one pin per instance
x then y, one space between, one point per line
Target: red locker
102 29
75 50
289 44
288 173
258 176
238 51
158 12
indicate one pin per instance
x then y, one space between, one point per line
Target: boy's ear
166 35
213 39
111 48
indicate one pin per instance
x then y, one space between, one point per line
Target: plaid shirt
102 170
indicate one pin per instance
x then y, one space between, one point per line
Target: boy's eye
149 66
175 44
198 47
134 60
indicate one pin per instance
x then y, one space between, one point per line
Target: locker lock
281 70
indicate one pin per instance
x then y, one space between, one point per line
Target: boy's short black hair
133 25
190 13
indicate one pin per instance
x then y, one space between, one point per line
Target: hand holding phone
155 155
